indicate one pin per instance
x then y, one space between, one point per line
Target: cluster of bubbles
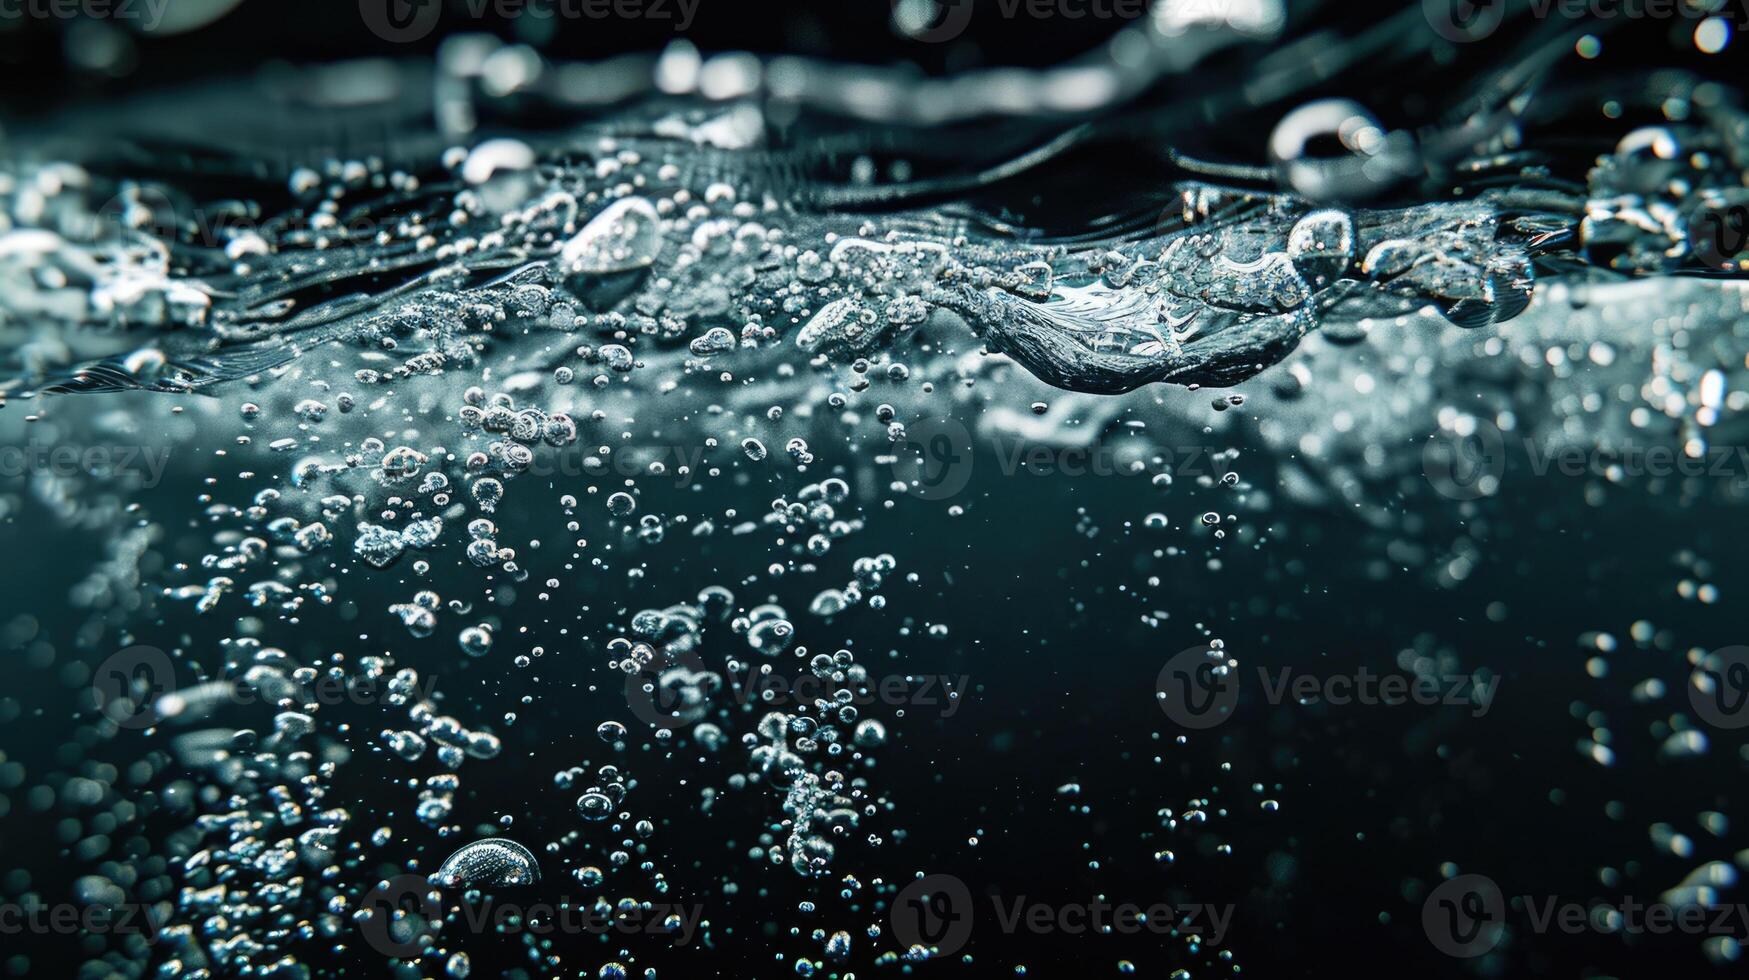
515 387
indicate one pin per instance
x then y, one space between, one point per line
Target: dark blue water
914 531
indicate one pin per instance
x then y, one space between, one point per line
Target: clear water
757 516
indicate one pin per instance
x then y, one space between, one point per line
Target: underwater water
1190 489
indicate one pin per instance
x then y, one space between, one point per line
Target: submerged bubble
495 862
595 805
556 366
476 641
